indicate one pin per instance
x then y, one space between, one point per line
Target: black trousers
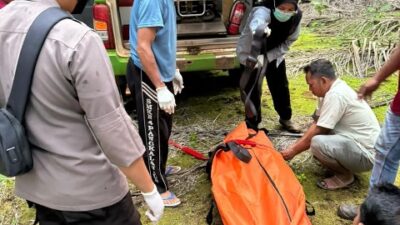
154 124
121 213
279 87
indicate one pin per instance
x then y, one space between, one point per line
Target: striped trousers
154 124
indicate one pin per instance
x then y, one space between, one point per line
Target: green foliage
310 41
223 109
372 27
301 177
339 32
193 209
304 102
385 92
13 210
193 138
319 5
379 8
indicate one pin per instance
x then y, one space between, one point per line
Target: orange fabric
243 193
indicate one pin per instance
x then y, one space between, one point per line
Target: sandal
334 183
171 200
171 170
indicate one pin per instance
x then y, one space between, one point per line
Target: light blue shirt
159 14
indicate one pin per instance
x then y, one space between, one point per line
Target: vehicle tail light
124 7
102 25
125 3
236 16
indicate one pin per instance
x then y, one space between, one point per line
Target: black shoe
347 211
289 126
252 125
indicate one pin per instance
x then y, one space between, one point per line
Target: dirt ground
210 107
202 129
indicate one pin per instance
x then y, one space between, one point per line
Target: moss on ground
210 106
13 210
219 109
304 103
310 41
193 209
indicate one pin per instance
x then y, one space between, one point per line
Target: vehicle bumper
118 63
185 62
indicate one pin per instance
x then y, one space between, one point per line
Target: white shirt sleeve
331 111
320 101
260 15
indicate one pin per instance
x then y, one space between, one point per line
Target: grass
310 41
211 109
193 209
13 211
212 103
304 102
308 173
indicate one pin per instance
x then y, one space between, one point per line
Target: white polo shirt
341 111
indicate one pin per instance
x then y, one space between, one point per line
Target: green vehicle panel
201 46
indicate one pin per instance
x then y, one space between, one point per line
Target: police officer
83 142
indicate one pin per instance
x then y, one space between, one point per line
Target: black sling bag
15 151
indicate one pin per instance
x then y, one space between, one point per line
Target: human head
381 207
285 9
320 75
73 6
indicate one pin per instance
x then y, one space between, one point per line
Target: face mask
80 6
282 16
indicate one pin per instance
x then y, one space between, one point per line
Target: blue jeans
387 151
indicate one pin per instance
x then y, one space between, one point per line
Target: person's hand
155 203
356 220
166 100
267 31
288 154
260 61
366 90
178 82
264 26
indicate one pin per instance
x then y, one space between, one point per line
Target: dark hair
280 2
382 206
272 3
321 68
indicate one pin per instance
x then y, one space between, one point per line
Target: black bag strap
29 54
210 216
240 153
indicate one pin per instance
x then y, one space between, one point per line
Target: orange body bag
263 191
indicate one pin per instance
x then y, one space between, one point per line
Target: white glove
260 61
166 100
155 203
178 82
267 30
